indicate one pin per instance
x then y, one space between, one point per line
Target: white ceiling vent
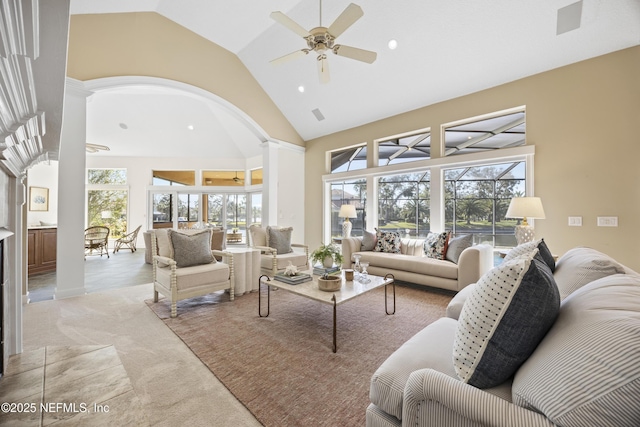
318 114
569 18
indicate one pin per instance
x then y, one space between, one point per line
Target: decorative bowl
330 284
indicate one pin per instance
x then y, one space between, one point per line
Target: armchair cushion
508 313
279 239
195 276
165 249
258 235
191 249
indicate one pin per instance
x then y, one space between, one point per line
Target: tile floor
43 387
121 269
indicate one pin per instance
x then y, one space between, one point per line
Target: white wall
46 176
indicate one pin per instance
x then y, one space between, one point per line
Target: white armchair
178 278
276 249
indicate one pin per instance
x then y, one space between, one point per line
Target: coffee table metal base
268 284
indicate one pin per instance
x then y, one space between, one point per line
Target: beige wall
582 120
147 44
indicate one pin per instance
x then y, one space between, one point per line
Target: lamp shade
347 211
525 207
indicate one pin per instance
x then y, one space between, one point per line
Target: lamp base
524 234
346 229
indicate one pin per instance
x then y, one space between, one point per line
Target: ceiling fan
322 39
94 148
236 179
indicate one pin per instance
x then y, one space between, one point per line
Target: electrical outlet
575 221
607 221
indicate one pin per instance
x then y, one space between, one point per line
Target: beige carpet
282 367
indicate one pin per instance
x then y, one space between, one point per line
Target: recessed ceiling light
123 126
190 127
301 89
393 43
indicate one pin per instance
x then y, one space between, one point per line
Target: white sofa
584 372
411 265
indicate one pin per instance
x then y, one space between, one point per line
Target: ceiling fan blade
323 69
355 53
351 14
289 23
94 148
288 57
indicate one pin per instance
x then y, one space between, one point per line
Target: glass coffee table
349 290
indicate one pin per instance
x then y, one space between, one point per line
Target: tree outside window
107 207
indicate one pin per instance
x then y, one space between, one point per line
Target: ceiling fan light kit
322 40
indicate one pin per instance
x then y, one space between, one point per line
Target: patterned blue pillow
435 245
387 241
508 313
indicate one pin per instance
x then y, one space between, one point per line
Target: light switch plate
575 221
607 221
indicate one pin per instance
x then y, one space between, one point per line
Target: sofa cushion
580 266
280 239
543 251
193 248
435 245
411 264
388 241
429 348
456 245
586 371
368 241
507 314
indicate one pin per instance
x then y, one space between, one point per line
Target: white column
270 183
71 193
15 274
437 200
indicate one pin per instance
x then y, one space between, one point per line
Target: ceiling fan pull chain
320 14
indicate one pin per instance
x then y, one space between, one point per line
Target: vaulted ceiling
445 49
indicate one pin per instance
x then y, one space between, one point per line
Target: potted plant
327 255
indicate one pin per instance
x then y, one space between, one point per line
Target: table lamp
525 207
346 212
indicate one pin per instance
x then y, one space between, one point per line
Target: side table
246 269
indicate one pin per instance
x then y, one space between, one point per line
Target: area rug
282 367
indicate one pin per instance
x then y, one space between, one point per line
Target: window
188 209
349 159
477 198
107 200
352 193
403 203
405 149
223 178
237 214
256 176
256 208
504 131
174 178
213 209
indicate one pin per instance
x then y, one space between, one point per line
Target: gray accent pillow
280 239
368 241
191 249
457 245
508 313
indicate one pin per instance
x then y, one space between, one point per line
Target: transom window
504 131
350 159
404 149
